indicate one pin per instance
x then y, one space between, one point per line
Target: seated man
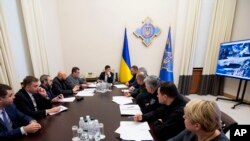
74 79
32 99
134 85
134 70
167 120
107 75
13 123
59 85
46 83
148 101
142 89
202 121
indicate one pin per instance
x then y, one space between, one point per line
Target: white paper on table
62 108
68 99
125 90
131 109
90 90
135 125
120 86
86 92
122 99
136 135
118 130
130 130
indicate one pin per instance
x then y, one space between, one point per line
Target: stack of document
132 109
122 100
86 92
120 86
131 130
62 108
69 99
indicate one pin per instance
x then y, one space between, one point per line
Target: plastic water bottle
96 127
79 132
81 123
91 128
87 124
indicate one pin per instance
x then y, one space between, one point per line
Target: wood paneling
196 80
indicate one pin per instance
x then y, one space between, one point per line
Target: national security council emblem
147 32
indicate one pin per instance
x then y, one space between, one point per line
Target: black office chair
186 99
227 122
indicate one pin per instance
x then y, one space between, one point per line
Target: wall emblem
147 32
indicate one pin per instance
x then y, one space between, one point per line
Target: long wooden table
100 106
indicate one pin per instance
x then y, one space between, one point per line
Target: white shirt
33 100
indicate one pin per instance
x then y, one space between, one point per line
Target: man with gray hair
149 101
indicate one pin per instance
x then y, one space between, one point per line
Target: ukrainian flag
125 74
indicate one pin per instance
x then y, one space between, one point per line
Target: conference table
100 106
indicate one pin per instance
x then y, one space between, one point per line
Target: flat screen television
234 59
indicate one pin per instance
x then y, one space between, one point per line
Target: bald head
140 76
62 75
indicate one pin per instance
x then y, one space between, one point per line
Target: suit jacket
60 87
48 91
110 79
17 119
147 102
25 104
132 81
172 119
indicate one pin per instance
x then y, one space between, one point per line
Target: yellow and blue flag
166 73
125 74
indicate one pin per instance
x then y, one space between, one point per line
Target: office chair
227 122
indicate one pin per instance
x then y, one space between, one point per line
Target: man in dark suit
107 75
32 99
148 101
167 120
46 83
13 123
59 85
132 81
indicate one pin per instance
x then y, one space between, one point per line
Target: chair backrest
186 99
227 122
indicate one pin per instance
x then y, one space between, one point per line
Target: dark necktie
5 120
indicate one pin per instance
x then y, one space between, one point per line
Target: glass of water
74 131
101 126
109 86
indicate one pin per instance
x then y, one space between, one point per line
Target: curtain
34 28
220 31
189 46
7 75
